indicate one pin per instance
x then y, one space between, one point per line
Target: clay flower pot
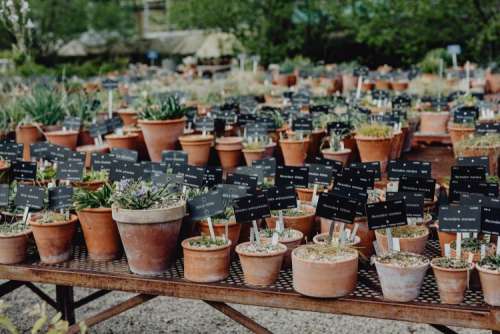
229 151
397 139
374 149
303 223
14 247
458 133
366 236
399 86
342 156
53 240
291 243
89 149
27 134
321 239
149 237
294 151
434 122
233 231
260 268
161 135
128 141
400 283
305 194
88 185
490 281
205 265
367 86
252 155
128 116
492 153
445 238
349 82
406 244
452 282
382 84
315 142
139 143
100 233
197 148
324 278
67 139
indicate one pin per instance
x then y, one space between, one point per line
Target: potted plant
434 121
452 277
128 116
261 262
337 151
374 143
229 151
253 150
66 138
99 230
289 237
206 259
489 274
162 123
306 194
149 219
488 145
44 106
324 271
53 234
219 223
197 148
472 246
294 149
285 76
14 238
91 180
324 239
301 219
126 140
412 238
45 173
460 131
401 275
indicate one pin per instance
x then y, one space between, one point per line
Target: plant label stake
395 244
226 231
447 250
467 75
314 200
341 233
280 226
25 214
458 247
256 231
211 228
354 232
330 232
483 251
275 239
358 88
388 233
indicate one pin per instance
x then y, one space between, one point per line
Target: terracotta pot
128 116
233 231
366 236
324 279
304 194
128 141
67 139
303 224
290 244
374 149
161 135
396 144
205 265
197 148
492 153
88 185
149 237
382 84
314 142
14 248
261 269
445 238
490 281
53 240
253 155
400 284
451 283
349 82
342 156
89 149
140 143
458 133
229 151
367 86
286 80
269 150
492 83
27 134
399 86
294 151
434 122
84 138
100 233
411 245
350 143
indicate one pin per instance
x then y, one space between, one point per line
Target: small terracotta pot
233 231
128 141
397 139
305 194
303 224
100 233
374 149
253 155
229 151
434 122
411 245
452 283
367 86
128 116
14 248
446 238
27 134
205 265
89 149
458 133
366 236
290 244
149 237
261 269
197 148
325 279
490 281
342 156
67 139
294 151
88 185
161 135
53 240
400 284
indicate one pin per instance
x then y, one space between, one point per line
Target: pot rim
354 256
249 254
192 139
159 122
370 138
392 265
185 245
487 271
95 210
435 266
123 136
62 133
26 233
253 150
230 140
377 232
330 151
73 219
173 218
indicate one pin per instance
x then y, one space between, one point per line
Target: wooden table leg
65 302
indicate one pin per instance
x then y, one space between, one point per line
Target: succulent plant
162 109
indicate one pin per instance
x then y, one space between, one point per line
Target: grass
374 130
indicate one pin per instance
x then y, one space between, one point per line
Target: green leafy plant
48 217
141 195
44 105
478 142
452 263
491 262
12 228
92 175
162 109
87 199
82 106
335 142
207 242
376 130
46 173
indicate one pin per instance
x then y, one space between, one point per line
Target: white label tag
483 251
377 248
395 244
470 258
447 250
275 239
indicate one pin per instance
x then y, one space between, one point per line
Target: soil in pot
412 238
161 135
229 152
324 271
206 260
219 225
197 148
128 141
301 219
288 237
261 264
434 122
489 274
294 151
67 139
452 278
14 239
342 156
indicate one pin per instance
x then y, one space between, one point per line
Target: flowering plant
141 195
14 15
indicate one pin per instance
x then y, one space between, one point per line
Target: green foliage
80 105
207 242
44 105
140 195
376 130
7 228
87 199
490 262
431 61
93 175
162 109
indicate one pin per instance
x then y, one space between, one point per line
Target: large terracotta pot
197 148
100 233
67 139
324 279
229 151
452 283
128 116
290 243
205 265
434 122
89 149
161 135
303 223
128 141
374 149
252 155
88 185
149 237
294 151
260 269
27 134
14 248
342 156
53 240
233 231
490 281
412 245
492 153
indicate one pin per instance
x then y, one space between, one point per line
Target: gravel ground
171 315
